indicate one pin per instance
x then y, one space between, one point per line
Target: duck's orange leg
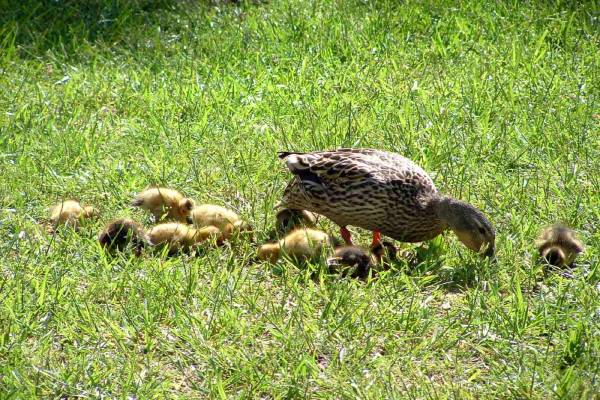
376 239
346 235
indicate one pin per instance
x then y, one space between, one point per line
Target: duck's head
90 212
469 224
184 210
269 252
283 218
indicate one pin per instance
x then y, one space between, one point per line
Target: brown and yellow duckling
361 260
70 213
165 203
382 192
226 220
559 245
385 252
354 258
289 219
120 233
300 244
183 238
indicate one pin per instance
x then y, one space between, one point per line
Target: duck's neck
444 208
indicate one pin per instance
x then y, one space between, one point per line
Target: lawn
499 101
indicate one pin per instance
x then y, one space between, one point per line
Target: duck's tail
284 154
299 164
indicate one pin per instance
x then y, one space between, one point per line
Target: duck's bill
489 251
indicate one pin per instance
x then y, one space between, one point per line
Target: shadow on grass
36 26
431 265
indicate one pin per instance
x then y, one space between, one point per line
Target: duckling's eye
481 230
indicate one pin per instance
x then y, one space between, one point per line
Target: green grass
500 101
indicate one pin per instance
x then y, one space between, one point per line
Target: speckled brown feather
370 189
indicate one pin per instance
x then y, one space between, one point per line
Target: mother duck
384 193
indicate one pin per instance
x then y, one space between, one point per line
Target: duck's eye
481 230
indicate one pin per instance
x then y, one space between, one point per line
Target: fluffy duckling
289 219
559 246
165 202
360 259
384 252
226 220
351 257
71 213
180 237
300 244
120 233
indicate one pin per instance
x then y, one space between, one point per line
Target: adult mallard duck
383 192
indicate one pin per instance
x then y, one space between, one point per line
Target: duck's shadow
429 265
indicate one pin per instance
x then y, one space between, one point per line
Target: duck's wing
318 171
324 179
348 165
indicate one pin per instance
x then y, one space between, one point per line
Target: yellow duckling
164 203
120 233
226 220
559 246
180 237
289 219
300 244
71 213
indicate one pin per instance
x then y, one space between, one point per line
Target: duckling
71 213
122 232
351 257
384 252
164 202
180 237
559 246
358 257
288 219
300 244
226 220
